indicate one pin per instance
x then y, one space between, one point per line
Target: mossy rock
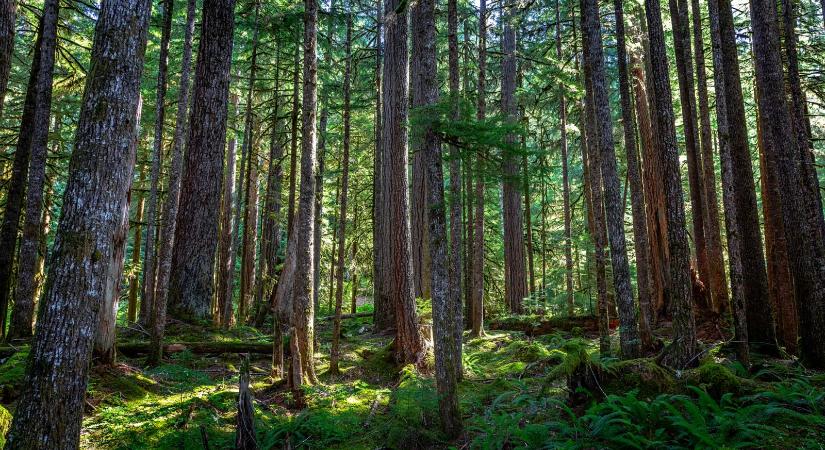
5 424
718 380
643 375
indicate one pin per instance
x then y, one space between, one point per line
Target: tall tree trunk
28 174
528 216
250 228
446 300
684 69
419 221
593 185
193 259
565 181
456 241
515 283
682 350
477 306
303 309
634 178
293 136
409 344
342 214
50 410
755 279
384 309
134 281
800 208
716 262
172 203
729 188
228 235
8 9
150 255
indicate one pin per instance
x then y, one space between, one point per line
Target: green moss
643 375
5 425
13 369
718 380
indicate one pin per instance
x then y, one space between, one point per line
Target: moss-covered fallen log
538 326
349 316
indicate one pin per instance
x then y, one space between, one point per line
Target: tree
303 370
477 303
32 147
682 350
227 244
50 409
800 207
515 282
8 9
565 180
342 215
150 261
172 203
716 262
446 301
196 233
634 179
398 282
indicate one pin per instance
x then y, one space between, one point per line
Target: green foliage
5 425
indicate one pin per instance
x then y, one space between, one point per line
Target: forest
412 224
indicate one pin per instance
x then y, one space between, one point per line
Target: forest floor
515 394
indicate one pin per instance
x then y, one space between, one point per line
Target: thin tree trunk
528 218
419 221
634 178
250 228
193 259
477 304
342 214
150 255
293 143
102 164
354 300
565 181
409 344
228 235
681 352
134 281
29 174
172 203
800 208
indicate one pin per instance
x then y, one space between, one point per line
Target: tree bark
342 214
196 233
8 9
684 69
729 189
800 208
409 344
172 203
293 143
515 282
634 178
29 174
682 350
50 409
446 301
477 304
134 282
755 280
303 309
716 262
228 235
250 228
565 180
150 258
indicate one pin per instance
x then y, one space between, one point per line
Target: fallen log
138 348
349 316
538 327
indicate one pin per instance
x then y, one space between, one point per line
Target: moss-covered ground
515 394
